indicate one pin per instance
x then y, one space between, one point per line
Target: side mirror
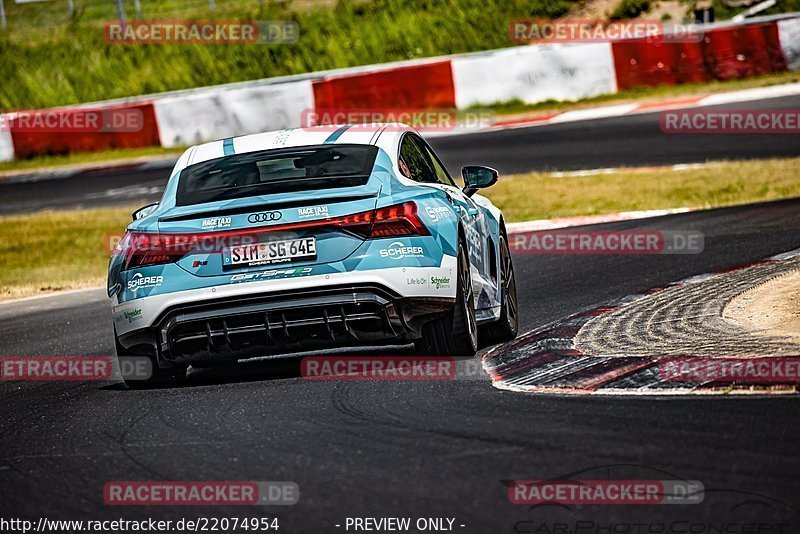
144 212
477 177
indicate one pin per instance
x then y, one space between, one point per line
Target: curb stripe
584 220
545 360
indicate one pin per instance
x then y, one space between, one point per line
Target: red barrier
62 131
744 51
415 87
722 54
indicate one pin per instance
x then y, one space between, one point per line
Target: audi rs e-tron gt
312 238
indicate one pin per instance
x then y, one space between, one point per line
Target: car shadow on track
282 367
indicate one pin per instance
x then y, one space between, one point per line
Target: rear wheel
455 333
506 327
142 371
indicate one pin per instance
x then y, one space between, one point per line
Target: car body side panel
482 233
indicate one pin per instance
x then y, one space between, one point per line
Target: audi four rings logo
264 216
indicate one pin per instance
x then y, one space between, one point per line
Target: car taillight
391 221
142 249
398 220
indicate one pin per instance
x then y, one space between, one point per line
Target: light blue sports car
312 238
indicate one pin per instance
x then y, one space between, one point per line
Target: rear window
276 171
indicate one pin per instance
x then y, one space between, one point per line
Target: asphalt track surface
412 449
634 140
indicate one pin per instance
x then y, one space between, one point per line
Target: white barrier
215 114
535 74
6 143
532 74
789 36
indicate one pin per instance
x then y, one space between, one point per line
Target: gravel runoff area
770 309
741 313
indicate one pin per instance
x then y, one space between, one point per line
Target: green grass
87 158
630 9
56 250
72 63
543 196
63 250
38 15
52 60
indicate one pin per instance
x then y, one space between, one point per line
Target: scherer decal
140 281
399 250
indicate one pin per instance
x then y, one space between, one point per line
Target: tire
456 332
506 327
131 364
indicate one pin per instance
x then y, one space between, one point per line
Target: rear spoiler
272 206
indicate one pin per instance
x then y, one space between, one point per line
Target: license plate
269 253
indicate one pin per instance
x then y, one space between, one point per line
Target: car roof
384 135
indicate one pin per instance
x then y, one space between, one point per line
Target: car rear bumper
284 322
